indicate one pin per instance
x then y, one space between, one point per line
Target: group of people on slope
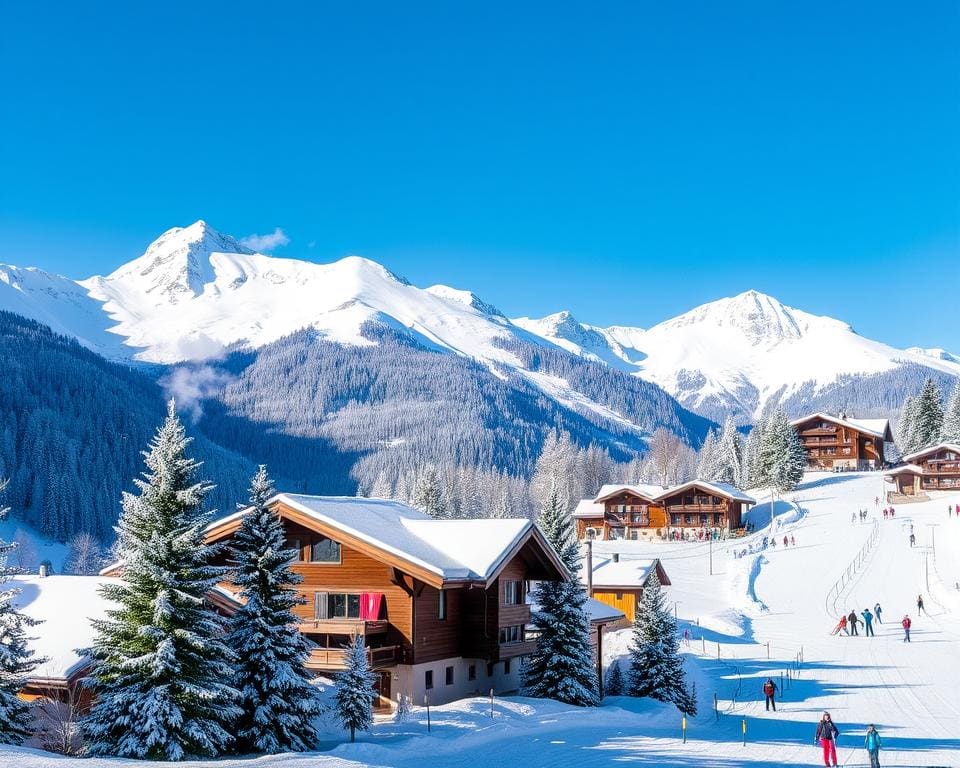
848 623
888 512
826 738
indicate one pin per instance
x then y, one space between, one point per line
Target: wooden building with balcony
840 442
441 604
638 512
936 468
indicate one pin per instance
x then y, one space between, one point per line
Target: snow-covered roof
932 449
625 571
601 612
646 491
718 488
588 508
912 469
65 605
876 427
454 550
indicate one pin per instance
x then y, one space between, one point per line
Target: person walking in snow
793 541
920 605
769 692
786 541
867 623
826 737
872 743
876 612
913 539
906 628
852 620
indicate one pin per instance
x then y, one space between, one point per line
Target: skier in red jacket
769 693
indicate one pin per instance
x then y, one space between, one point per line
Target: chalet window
442 606
674 519
510 634
449 675
489 669
428 679
688 519
512 592
343 606
324 550
320 605
619 595
472 672
297 545
506 667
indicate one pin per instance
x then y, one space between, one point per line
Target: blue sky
624 160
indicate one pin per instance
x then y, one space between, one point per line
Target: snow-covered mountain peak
177 265
761 320
465 297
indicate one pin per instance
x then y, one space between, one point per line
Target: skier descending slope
826 737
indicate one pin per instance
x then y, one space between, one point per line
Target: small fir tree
277 700
428 494
656 667
161 673
729 455
906 425
17 660
614 683
781 457
403 708
354 696
707 463
950 432
561 667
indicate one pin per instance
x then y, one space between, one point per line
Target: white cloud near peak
266 243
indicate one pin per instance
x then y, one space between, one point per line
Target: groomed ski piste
789 598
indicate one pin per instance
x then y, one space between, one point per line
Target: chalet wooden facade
618 580
643 511
936 468
441 604
839 442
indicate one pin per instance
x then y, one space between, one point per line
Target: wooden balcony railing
697 508
336 658
344 626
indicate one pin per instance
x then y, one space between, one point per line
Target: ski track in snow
912 692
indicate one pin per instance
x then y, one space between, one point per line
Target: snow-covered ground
784 597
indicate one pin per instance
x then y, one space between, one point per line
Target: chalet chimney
616 557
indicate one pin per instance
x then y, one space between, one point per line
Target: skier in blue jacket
872 743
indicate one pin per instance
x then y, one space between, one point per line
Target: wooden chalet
936 468
441 604
839 442
645 511
619 578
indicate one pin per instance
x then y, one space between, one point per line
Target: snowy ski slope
787 598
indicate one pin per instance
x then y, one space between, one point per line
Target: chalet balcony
344 626
512 650
322 659
819 431
697 508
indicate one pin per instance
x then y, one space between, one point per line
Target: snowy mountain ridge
196 293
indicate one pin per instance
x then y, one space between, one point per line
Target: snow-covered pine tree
402 711
17 661
656 667
781 459
751 454
354 696
428 494
906 425
561 667
613 686
278 702
950 432
928 419
707 465
161 673
729 455
504 508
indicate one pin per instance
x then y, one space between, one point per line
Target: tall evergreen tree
161 672
561 667
906 425
707 464
781 459
656 667
928 417
950 432
277 700
17 660
354 695
729 455
428 494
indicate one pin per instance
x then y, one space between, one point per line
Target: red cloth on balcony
370 605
